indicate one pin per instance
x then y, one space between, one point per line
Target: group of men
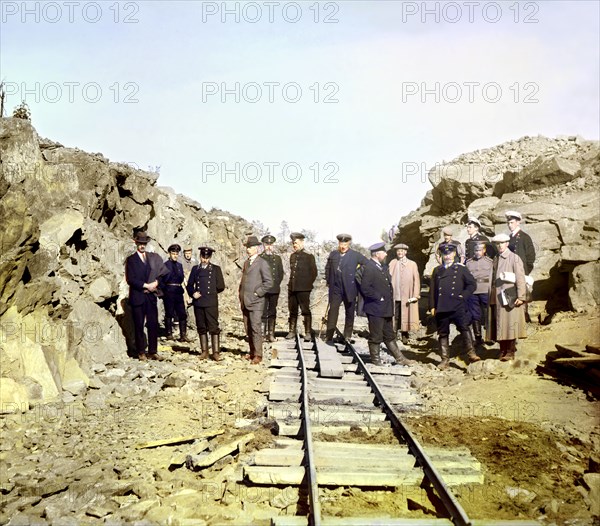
468 288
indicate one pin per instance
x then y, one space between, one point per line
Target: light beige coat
406 284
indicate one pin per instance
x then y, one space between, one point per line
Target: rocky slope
552 182
67 221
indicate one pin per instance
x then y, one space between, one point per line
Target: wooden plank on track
295 520
292 427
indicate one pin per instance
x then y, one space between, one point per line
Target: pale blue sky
171 53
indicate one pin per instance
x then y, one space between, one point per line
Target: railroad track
319 390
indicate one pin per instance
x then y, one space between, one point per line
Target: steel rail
314 517
455 510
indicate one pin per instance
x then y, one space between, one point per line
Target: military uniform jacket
450 287
208 282
481 269
276 266
522 245
340 273
303 271
376 289
174 277
470 243
137 273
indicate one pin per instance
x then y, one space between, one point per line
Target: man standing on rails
272 295
303 272
376 289
407 292
451 286
340 274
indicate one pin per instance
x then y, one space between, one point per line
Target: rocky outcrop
552 182
67 221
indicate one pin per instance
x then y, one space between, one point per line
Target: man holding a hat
407 291
171 285
204 285
340 275
451 286
376 289
142 272
272 295
475 237
507 297
256 281
303 272
448 240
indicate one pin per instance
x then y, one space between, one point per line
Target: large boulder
543 172
455 186
584 285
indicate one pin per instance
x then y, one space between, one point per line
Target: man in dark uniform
480 266
204 285
272 296
475 237
142 271
376 289
340 275
303 272
521 244
451 286
171 285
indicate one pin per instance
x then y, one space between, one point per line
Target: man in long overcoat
340 275
256 281
407 291
376 289
507 299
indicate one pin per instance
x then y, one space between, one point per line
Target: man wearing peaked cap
447 239
172 286
376 290
272 295
303 272
451 286
520 242
256 281
475 236
340 275
407 292
204 285
142 272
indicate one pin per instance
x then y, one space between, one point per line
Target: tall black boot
392 346
204 346
477 332
216 347
293 327
183 332
169 328
469 347
307 327
444 345
271 330
374 352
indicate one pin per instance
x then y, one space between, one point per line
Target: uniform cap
377 247
174 248
447 231
447 248
206 252
513 214
401 245
268 239
501 238
252 241
344 238
473 221
296 235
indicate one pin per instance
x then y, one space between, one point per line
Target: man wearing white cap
507 297
520 242
407 291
